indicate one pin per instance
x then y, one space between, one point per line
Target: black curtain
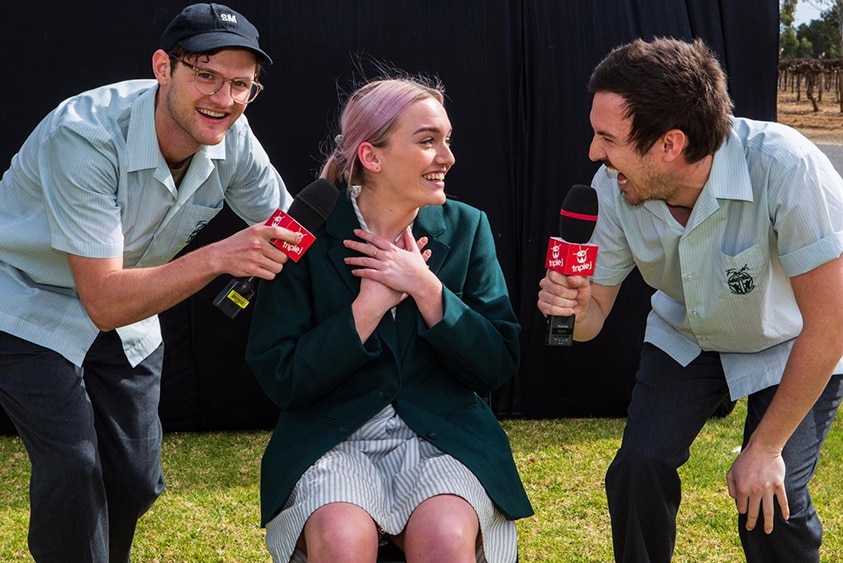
515 74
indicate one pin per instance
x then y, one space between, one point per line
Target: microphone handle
560 331
236 296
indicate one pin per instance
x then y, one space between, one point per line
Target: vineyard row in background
816 75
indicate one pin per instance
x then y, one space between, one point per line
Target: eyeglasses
209 82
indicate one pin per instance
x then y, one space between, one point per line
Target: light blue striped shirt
90 180
771 209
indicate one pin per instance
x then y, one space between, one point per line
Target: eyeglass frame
197 70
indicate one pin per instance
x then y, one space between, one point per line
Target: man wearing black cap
104 193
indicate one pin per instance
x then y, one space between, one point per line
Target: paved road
835 154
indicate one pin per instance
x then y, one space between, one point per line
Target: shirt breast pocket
743 277
734 318
177 232
755 307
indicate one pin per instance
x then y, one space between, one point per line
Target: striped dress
388 470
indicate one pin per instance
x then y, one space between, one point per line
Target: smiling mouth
622 180
435 177
211 114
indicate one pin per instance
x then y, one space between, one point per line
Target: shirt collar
729 177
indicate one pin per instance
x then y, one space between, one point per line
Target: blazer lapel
338 227
430 223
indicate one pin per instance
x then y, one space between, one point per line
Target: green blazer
307 356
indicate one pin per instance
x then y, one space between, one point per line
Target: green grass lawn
209 511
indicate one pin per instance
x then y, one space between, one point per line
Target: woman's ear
367 153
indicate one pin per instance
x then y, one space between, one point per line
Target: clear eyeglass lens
242 91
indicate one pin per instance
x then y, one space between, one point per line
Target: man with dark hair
738 225
104 193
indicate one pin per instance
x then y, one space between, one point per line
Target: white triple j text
577 268
291 248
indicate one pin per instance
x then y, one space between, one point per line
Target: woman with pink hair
377 347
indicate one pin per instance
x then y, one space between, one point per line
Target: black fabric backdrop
515 74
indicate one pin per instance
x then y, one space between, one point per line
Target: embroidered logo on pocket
199 226
740 280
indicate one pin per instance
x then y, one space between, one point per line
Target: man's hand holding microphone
249 252
289 235
566 289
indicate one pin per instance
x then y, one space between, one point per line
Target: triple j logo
569 258
582 256
294 251
555 261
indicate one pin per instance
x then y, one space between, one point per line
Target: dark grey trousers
670 404
93 437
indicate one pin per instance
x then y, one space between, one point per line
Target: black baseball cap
200 28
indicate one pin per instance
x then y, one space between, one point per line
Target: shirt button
431 435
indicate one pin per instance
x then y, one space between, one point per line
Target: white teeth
434 177
210 113
622 180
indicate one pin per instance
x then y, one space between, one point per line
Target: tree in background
790 45
819 39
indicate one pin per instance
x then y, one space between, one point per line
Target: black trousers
94 440
670 404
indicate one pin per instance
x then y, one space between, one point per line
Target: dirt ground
824 126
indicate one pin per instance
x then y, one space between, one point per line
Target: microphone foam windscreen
314 203
579 214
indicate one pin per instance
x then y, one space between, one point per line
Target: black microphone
310 208
577 219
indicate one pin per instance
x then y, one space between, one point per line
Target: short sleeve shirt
772 209
90 180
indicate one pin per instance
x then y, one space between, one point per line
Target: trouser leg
93 440
798 539
45 398
125 402
670 405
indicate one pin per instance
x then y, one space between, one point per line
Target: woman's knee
339 529
447 523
